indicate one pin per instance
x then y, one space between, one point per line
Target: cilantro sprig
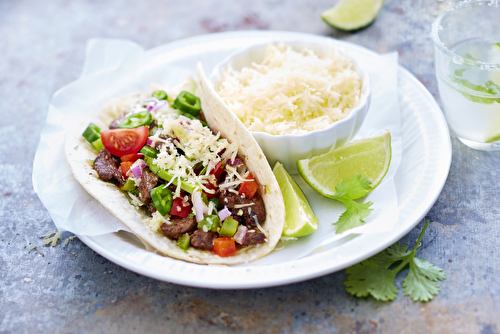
374 276
347 191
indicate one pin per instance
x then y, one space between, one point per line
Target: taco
195 191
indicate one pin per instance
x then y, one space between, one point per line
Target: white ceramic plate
419 180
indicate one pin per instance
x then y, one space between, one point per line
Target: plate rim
392 236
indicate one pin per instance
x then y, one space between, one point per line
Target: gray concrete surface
71 289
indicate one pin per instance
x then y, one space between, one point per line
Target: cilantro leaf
352 188
395 253
373 276
421 281
353 216
346 191
368 277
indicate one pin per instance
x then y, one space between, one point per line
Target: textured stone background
74 290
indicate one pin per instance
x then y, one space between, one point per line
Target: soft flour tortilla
79 155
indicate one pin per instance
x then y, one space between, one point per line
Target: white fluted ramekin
292 147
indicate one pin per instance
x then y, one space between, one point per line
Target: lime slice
300 219
369 157
352 14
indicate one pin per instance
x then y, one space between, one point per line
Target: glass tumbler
467 63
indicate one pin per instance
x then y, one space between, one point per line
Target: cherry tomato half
224 246
122 142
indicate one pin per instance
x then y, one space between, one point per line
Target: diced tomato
122 142
131 157
213 187
178 209
125 167
249 187
218 169
224 246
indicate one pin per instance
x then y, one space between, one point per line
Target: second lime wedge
300 219
369 157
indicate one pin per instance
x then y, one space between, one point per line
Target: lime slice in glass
300 219
352 14
369 157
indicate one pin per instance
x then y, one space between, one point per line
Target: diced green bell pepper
129 185
229 227
98 144
209 223
184 241
92 133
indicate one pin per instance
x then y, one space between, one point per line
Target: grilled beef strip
203 240
179 227
107 168
254 239
148 182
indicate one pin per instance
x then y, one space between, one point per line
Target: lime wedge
352 14
300 219
369 157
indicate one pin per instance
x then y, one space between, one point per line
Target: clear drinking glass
467 63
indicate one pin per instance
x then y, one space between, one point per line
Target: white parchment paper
117 67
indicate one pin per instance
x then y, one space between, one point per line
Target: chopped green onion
229 227
188 103
92 133
183 241
149 151
162 199
160 95
136 120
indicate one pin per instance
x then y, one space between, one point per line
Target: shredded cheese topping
292 92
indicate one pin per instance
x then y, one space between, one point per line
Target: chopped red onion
158 105
137 168
198 205
240 234
149 142
224 213
152 104
233 163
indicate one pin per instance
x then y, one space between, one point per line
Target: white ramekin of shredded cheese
298 99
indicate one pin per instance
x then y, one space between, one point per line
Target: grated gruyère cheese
292 92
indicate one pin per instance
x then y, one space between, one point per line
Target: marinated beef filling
107 168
